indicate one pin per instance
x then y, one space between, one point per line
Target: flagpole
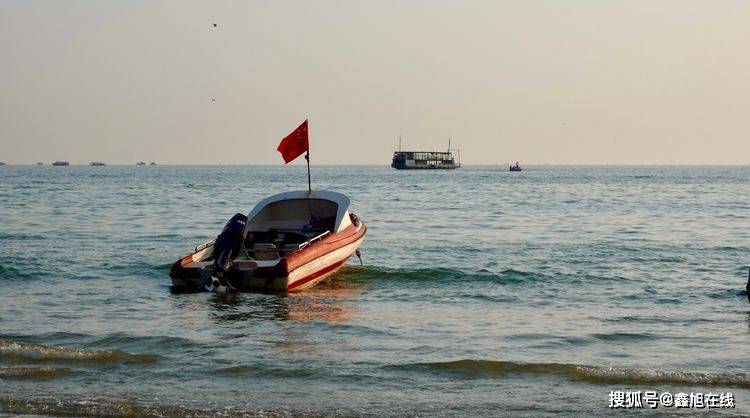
309 184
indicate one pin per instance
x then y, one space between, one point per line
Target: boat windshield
305 214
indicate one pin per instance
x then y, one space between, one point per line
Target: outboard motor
226 248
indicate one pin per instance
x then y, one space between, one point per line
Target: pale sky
575 81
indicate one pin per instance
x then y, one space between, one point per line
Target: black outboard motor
226 248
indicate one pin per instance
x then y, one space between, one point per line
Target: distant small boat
515 167
2 163
97 163
59 163
141 163
152 163
40 163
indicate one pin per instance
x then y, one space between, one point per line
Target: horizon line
375 164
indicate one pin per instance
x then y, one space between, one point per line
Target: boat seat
275 243
265 251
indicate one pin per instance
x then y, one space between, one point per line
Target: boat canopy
301 209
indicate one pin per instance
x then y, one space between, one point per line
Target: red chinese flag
294 144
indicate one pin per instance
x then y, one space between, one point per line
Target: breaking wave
592 374
38 353
32 373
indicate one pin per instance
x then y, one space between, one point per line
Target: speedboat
516 167
288 242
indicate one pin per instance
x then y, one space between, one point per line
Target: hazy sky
575 81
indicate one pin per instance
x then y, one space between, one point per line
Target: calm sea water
484 292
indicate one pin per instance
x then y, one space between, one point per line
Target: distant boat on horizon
516 167
61 163
2 163
39 163
425 160
152 163
97 163
141 163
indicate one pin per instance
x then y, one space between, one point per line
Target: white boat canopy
298 209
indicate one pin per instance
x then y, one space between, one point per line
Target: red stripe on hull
317 274
323 247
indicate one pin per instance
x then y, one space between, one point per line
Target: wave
139 268
32 373
124 340
39 353
8 272
21 268
593 374
626 336
453 275
31 270
254 370
441 274
728 294
368 273
20 237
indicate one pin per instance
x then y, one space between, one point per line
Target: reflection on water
327 301
246 307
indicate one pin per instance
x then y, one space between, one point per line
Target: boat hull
294 272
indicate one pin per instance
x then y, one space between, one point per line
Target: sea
556 291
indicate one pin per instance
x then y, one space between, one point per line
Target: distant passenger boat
61 163
40 163
425 160
152 163
97 163
2 163
515 167
141 163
